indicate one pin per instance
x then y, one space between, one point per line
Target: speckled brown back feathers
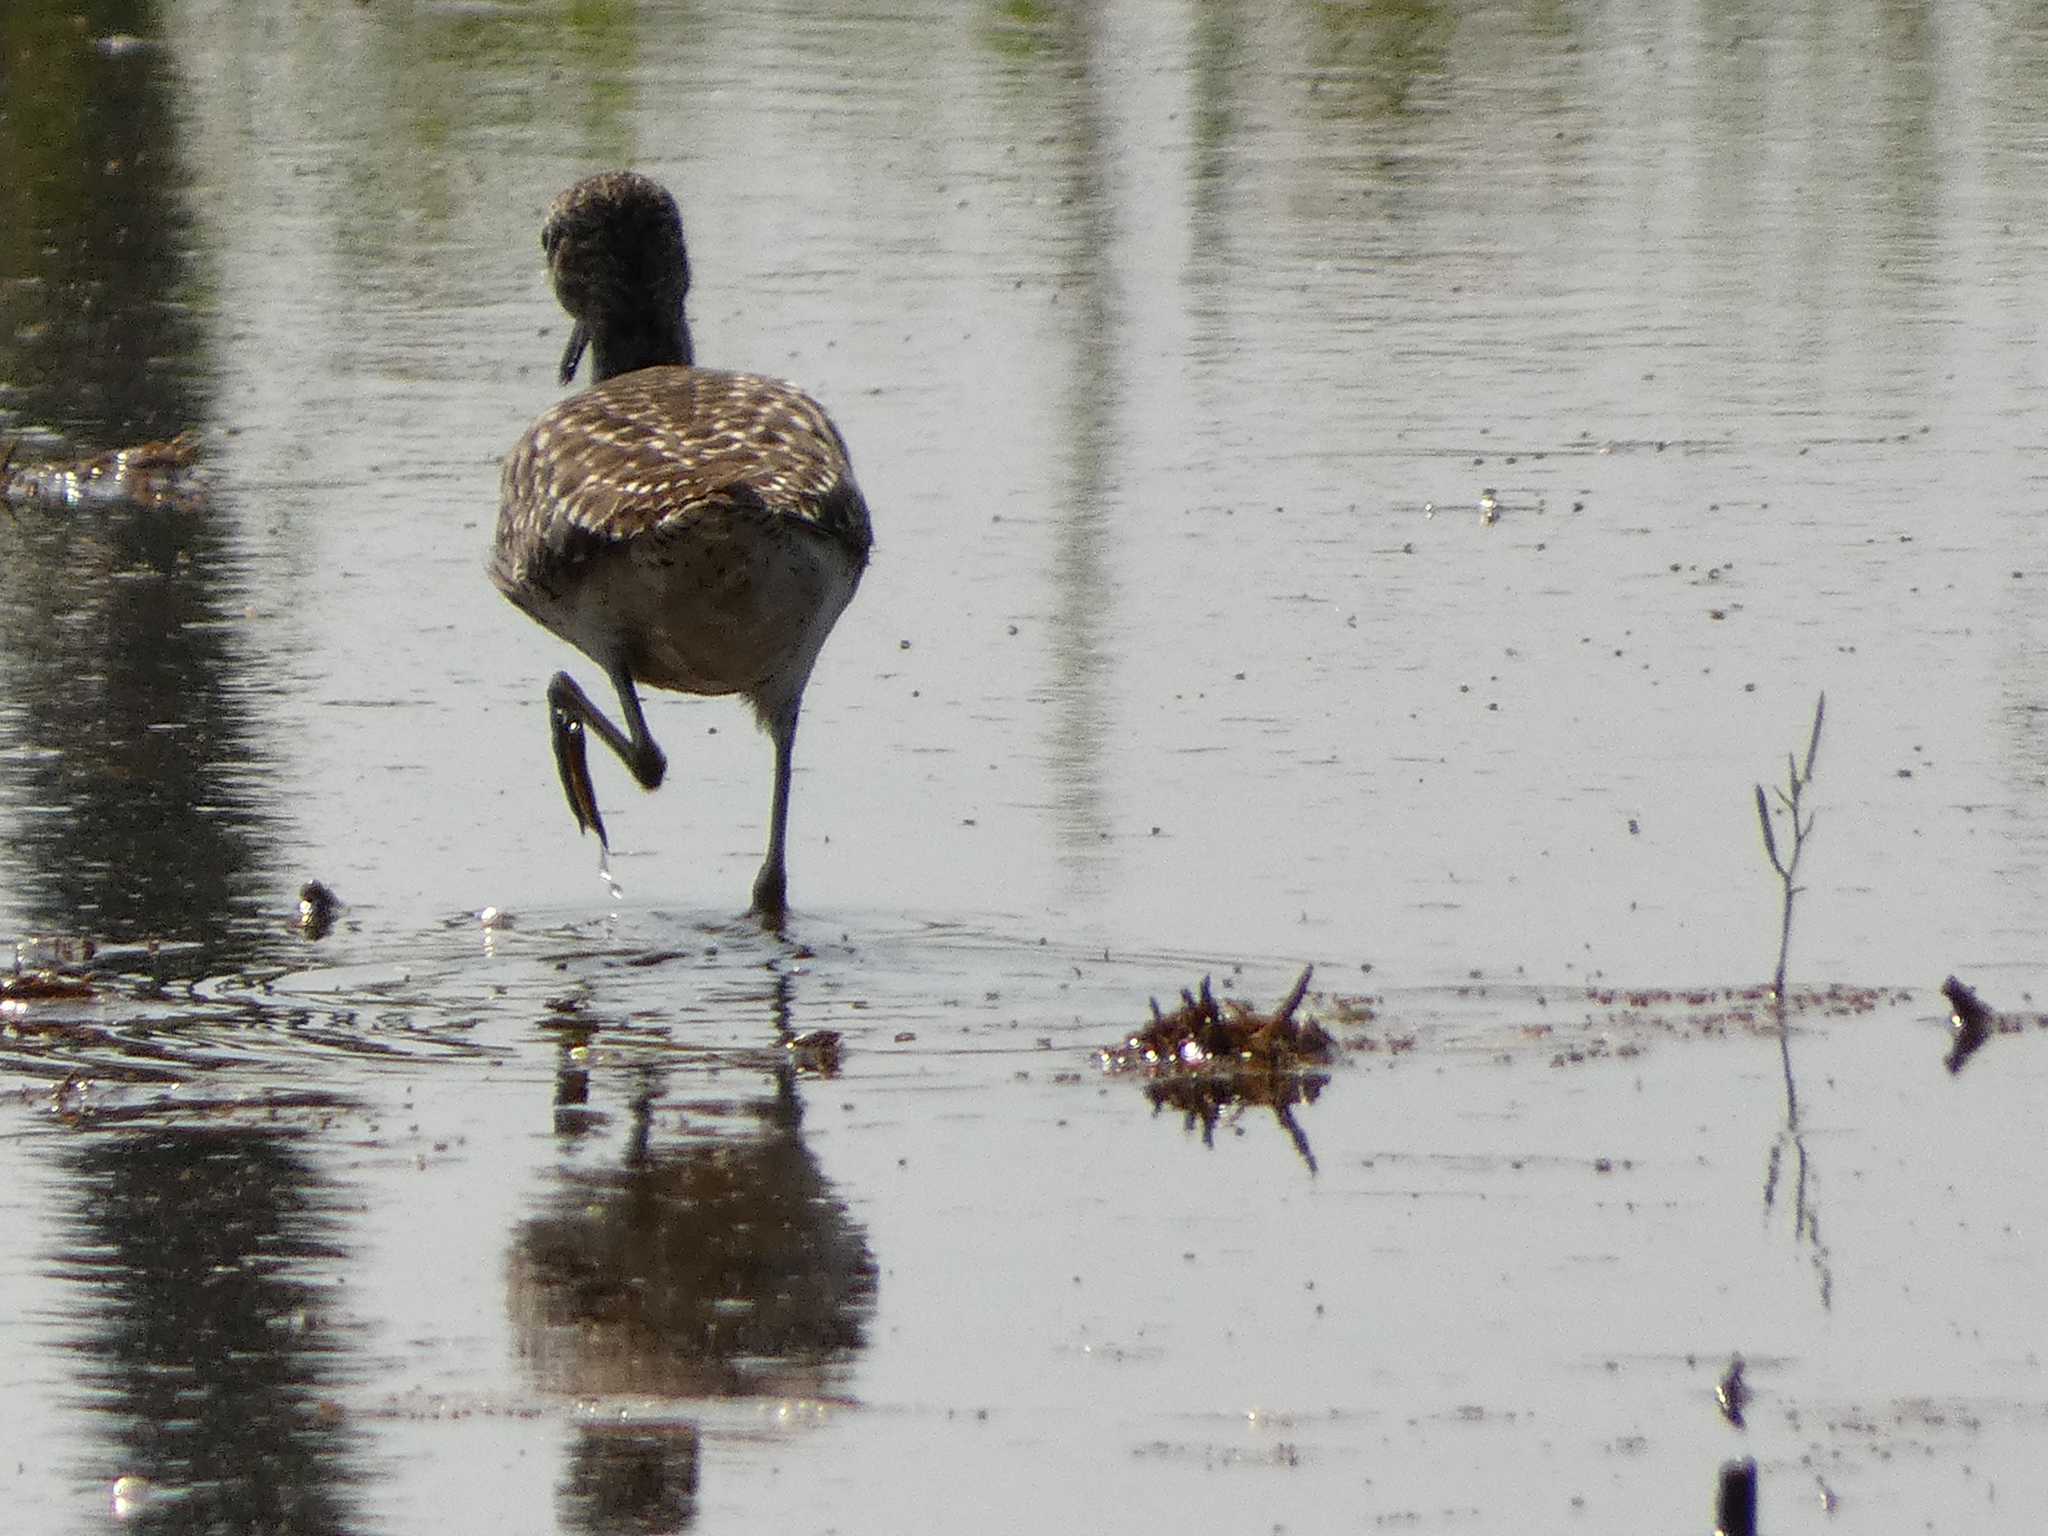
652 450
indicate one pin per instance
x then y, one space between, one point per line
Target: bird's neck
625 344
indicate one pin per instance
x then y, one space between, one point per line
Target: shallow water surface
1362 486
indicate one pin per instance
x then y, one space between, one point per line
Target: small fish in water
1969 1020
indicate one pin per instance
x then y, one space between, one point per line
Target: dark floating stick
1735 1509
1969 1021
1732 1393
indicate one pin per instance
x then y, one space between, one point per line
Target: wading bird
683 527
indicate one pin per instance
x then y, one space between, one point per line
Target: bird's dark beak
579 338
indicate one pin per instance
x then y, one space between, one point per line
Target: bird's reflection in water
573 1113
710 1259
631 1480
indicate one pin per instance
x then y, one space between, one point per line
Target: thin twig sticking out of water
1798 778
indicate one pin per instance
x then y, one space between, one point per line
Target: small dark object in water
317 908
1732 1393
815 1051
1735 1510
1969 1020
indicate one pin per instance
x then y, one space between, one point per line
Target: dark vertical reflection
126 726
205 1353
1379 76
98 340
1216 61
133 792
1369 59
706 1263
710 1259
631 1480
1053 76
1364 91
2016 155
445 75
1218 48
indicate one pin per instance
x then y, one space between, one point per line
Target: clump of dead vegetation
1212 1057
47 970
44 987
148 475
1204 1034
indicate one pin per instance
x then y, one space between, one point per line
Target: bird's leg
771 886
569 711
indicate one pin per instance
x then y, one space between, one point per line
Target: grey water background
1178 347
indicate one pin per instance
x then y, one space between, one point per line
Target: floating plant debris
147 475
44 987
1205 1033
1209 1056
